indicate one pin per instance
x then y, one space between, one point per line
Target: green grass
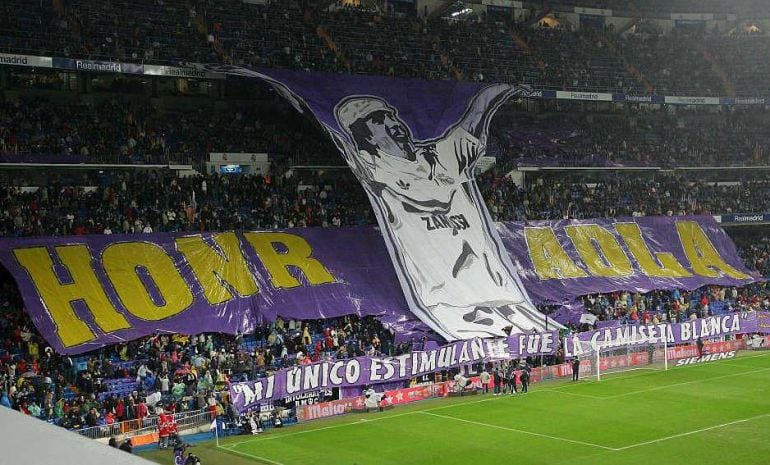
713 413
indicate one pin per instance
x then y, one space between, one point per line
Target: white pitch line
689 433
520 431
232 445
725 363
485 399
666 386
246 454
652 371
340 425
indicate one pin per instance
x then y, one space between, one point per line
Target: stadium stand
133 203
680 62
106 387
39 121
119 131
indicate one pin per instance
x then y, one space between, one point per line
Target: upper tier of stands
134 202
124 129
685 61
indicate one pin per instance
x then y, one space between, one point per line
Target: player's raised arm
485 104
467 142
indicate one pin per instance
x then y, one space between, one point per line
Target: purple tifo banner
569 313
414 145
559 261
85 292
581 344
361 371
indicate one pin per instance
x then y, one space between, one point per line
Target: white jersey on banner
456 275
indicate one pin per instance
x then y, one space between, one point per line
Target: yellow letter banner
85 292
562 260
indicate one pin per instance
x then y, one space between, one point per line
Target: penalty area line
567 393
685 383
520 431
690 433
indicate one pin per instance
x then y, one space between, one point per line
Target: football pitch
711 413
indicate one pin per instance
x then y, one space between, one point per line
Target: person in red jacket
142 411
120 410
166 427
162 430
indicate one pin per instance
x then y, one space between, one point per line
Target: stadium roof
29 441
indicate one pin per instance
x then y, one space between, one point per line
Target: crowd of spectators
493 47
174 373
133 129
149 30
548 198
120 130
179 372
155 201
636 136
676 306
117 129
675 6
756 253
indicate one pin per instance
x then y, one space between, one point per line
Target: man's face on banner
390 135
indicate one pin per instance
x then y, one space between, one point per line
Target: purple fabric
601 324
409 331
412 163
660 235
568 314
427 107
677 333
372 370
356 258
365 284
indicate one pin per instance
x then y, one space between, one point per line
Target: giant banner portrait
413 146
564 259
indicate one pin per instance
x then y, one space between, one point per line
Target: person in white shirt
164 384
485 377
461 383
372 399
142 371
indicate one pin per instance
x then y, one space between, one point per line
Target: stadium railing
131 428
